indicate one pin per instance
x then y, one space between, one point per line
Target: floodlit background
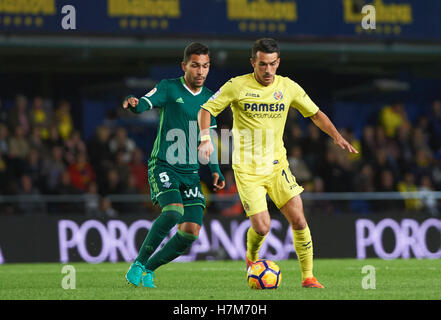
73 162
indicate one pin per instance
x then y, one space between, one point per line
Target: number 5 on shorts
163 177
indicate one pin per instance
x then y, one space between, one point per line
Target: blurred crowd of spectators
43 153
395 154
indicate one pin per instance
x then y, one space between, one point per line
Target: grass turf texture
225 280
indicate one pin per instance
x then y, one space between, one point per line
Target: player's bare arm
206 147
322 121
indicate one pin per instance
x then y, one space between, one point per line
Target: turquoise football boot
134 275
147 279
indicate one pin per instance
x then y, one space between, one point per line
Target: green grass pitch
225 280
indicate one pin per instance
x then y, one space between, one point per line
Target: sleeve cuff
148 101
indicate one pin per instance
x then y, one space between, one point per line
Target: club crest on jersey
152 92
278 95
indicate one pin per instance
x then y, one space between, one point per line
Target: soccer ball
264 274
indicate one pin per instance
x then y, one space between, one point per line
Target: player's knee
180 205
190 228
193 232
298 223
261 223
262 229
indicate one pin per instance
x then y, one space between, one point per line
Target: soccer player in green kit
174 182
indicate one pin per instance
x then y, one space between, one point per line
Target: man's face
265 66
196 69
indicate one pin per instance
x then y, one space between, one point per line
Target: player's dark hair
195 48
265 45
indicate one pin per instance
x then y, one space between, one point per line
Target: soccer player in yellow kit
260 102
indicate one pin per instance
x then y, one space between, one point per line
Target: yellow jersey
259 117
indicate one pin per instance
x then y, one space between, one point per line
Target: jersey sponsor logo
214 96
264 107
263 115
151 92
278 95
193 193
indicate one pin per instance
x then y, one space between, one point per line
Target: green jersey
178 132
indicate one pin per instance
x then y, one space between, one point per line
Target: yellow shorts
280 185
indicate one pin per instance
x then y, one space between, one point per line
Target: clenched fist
132 101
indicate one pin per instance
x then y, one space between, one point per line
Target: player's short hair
265 45
195 48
